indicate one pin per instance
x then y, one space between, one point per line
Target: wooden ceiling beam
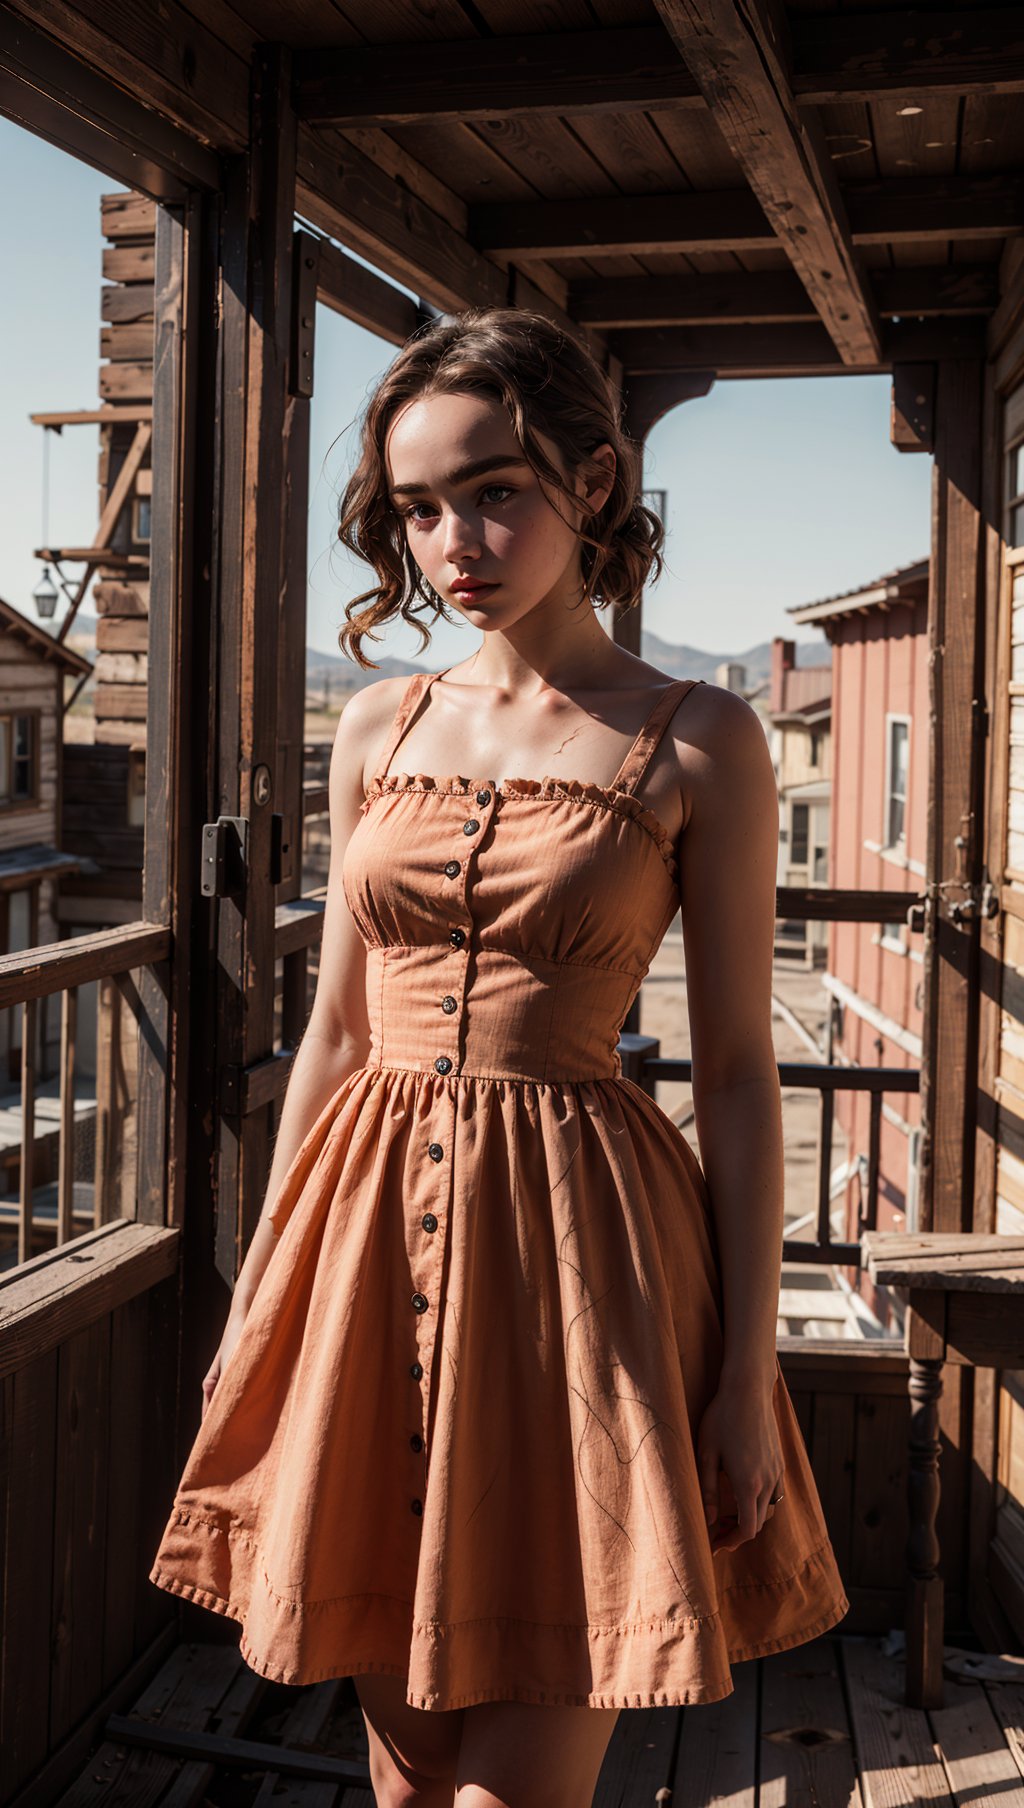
623 71
346 194
737 50
835 57
907 210
911 210
845 55
349 288
700 220
774 296
787 350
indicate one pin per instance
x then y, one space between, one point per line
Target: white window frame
892 718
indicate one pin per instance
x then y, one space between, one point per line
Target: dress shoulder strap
409 701
636 761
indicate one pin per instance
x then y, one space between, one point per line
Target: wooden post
923 1686
955 845
257 295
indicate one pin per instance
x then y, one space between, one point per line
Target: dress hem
712 1690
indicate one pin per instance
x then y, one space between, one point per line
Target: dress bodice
508 926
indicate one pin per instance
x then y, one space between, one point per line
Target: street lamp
45 595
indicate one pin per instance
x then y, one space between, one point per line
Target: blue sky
779 492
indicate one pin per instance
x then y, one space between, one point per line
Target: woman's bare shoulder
721 747
360 734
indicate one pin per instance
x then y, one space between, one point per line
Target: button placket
451 1001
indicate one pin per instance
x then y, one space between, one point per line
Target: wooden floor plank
639 1758
979 1765
198 1682
1007 1703
806 1746
306 1726
717 1756
893 1752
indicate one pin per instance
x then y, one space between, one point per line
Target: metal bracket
224 864
305 271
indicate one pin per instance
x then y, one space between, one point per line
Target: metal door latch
980 901
225 857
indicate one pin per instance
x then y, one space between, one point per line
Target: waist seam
449 1080
523 960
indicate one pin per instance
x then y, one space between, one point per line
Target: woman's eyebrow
476 468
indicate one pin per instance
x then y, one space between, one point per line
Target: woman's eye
411 515
503 490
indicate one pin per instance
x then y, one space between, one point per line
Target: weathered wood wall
86 1466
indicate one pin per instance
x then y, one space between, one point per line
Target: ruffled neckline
575 790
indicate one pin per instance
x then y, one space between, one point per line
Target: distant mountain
341 675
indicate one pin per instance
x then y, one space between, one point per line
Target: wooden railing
642 1062
25 979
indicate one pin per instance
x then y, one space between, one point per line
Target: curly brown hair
550 384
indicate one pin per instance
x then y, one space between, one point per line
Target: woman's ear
598 488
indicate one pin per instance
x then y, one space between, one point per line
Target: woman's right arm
336 1039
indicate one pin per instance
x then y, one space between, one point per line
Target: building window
136 787
815 748
893 936
17 759
897 754
801 831
1015 499
141 520
913 1189
819 872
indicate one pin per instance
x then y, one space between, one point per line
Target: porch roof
905 584
702 188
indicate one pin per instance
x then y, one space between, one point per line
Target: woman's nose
460 539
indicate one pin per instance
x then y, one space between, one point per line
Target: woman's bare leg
413 1751
516 1755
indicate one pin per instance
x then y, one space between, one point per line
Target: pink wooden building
874 971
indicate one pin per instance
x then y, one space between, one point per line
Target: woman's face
482 528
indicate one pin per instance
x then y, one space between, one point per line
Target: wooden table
965 1303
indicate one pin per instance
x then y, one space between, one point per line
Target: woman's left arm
727 876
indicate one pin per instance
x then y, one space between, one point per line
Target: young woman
496 1425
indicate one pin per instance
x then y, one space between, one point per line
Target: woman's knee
516 1755
413 1751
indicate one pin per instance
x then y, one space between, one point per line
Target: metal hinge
225 857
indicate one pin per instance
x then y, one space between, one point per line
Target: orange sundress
455 1441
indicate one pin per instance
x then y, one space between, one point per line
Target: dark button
470 827
449 1004
419 1302
483 797
417 1507
435 1151
416 1442
429 1221
443 1064
416 1370
457 937
453 868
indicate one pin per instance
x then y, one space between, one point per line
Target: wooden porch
824 1724
702 190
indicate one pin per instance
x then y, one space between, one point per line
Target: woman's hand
740 1463
232 1332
